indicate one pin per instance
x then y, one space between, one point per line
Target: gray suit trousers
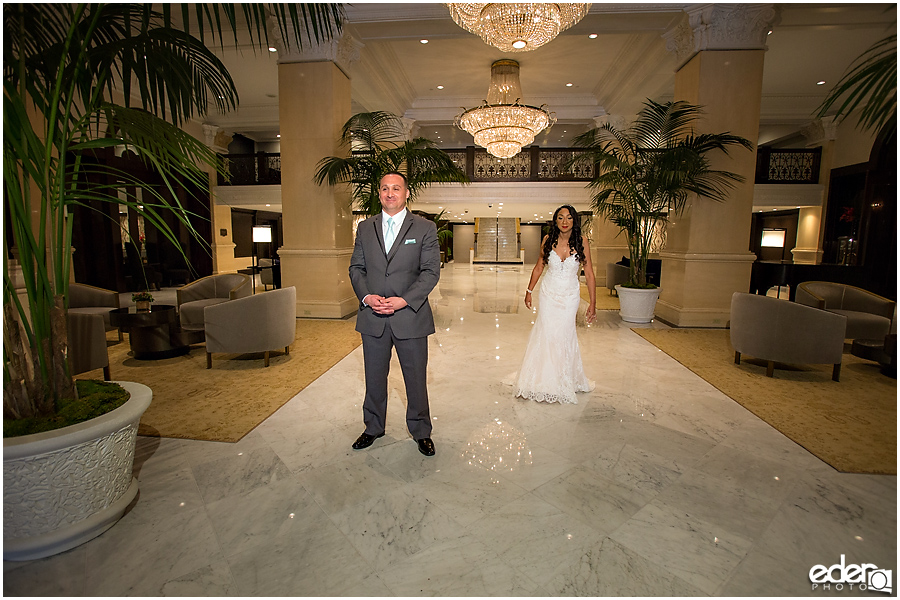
413 356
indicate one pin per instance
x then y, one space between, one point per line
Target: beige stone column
706 260
222 245
314 104
811 231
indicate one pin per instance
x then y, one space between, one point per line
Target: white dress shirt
398 221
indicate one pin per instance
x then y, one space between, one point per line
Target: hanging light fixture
501 124
516 26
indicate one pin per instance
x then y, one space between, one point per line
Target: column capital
617 121
342 51
216 138
720 27
820 131
410 128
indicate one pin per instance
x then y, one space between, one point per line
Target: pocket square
409 241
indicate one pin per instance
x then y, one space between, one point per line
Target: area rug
604 300
226 402
851 424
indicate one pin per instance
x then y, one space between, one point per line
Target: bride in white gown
552 370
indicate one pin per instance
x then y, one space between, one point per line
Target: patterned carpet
851 425
226 402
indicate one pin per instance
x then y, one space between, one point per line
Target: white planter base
66 538
62 488
637 305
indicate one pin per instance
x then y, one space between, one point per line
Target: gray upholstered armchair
194 297
258 323
90 300
869 315
616 274
87 343
786 332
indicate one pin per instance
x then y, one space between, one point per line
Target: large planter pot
637 305
62 488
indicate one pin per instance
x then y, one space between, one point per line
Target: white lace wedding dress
552 370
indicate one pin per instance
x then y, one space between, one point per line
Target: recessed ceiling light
268 205
770 32
820 82
278 135
593 36
568 85
273 49
423 41
440 87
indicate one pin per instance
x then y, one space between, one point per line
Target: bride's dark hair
575 242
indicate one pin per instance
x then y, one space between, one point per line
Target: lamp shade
773 238
262 233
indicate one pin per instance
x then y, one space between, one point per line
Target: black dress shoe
365 440
426 446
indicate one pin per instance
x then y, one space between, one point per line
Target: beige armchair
194 297
90 300
258 323
869 315
785 332
87 344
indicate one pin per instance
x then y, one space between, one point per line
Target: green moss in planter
95 398
637 286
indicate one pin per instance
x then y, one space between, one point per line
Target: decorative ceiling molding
720 27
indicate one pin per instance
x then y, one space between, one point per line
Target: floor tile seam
174 571
666 569
245 492
579 516
374 567
707 524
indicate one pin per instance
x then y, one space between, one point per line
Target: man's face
393 194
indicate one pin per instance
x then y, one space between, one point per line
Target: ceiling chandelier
516 26
501 124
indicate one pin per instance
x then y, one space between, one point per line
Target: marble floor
654 484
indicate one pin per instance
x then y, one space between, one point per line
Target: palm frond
870 84
377 144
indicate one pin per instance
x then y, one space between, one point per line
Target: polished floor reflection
654 484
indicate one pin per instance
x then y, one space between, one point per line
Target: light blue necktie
389 235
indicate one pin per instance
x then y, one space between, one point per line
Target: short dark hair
405 180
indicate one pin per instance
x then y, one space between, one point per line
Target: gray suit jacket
410 271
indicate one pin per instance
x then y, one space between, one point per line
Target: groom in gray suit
396 263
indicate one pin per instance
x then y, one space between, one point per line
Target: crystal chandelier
501 124
516 26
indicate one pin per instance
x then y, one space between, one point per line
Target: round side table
150 332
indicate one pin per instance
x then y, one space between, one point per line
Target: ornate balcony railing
262 168
531 164
788 166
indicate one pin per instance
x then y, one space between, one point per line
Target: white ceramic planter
62 488
637 305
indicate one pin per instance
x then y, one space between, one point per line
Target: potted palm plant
376 145
81 80
645 174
